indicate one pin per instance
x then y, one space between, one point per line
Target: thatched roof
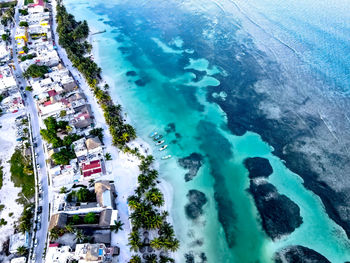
105 218
100 188
58 220
93 143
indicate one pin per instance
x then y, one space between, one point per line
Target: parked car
35 242
38 226
40 209
37 166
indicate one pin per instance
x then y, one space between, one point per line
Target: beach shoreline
125 166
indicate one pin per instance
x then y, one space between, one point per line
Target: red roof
65 101
91 165
91 172
52 93
47 103
54 245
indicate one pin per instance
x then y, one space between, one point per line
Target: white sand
8 192
123 167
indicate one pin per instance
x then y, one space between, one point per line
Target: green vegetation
23 12
63 113
10 214
23 23
63 190
25 49
26 218
69 32
26 2
36 71
22 250
29 88
5 37
90 218
97 132
108 156
2 207
29 56
118 225
3 222
145 213
50 135
82 195
7 16
22 173
8 4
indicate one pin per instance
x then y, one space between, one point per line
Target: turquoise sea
170 90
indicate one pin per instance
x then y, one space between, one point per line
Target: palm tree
21 250
152 258
79 236
155 197
54 233
118 225
165 259
166 230
156 243
63 190
69 228
91 182
134 241
135 259
174 245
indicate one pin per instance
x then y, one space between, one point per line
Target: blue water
180 51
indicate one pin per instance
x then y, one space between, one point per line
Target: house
94 253
93 145
82 117
59 254
58 220
18 240
92 168
79 147
105 194
19 260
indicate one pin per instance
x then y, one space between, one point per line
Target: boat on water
160 142
157 137
166 157
163 148
153 134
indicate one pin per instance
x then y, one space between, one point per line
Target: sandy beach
8 192
123 168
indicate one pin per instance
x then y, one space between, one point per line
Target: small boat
153 134
163 148
158 137
160 142
166 157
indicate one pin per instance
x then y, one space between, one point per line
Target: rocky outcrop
258 167
299 254
197 200
192 162
279 214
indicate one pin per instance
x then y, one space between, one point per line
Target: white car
35 242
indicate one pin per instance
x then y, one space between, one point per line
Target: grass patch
8 4
26 2
22 174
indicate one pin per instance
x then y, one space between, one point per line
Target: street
41 234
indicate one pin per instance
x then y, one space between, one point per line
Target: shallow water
162 44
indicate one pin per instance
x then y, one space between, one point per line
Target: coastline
126 164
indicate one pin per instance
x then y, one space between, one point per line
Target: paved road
41 234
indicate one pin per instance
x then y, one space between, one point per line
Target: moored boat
153 134
158 137
160 142
166 157
163 148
